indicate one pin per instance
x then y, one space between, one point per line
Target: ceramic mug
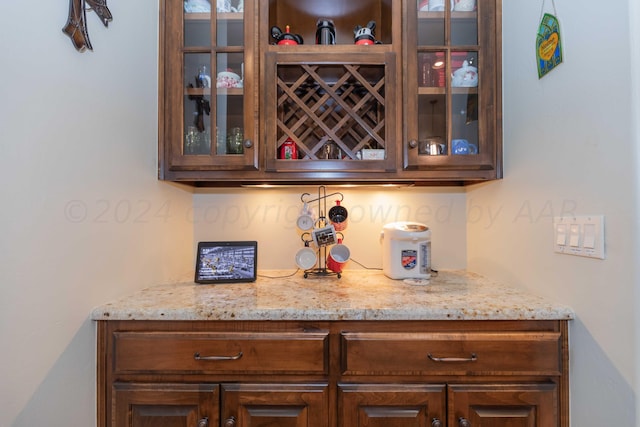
324 236
464 5
338 257
462 146
306 258
338 216
223 6
306 219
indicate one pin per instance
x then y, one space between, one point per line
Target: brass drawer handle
197 356
473 358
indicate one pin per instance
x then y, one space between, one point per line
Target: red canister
288 149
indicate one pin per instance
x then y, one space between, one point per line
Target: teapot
286 37
466 76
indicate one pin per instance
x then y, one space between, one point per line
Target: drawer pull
473 358
198 357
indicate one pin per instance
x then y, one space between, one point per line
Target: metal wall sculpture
76 26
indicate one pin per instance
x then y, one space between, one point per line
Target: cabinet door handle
436 423
413 143
473 358
463 422
203 422
197 356
230 422
247 143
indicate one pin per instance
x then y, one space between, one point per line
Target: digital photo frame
226 262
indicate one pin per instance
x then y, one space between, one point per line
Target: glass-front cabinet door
209 98
453 87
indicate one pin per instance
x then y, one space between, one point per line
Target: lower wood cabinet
333 374
165 405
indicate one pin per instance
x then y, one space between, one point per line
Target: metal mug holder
321 222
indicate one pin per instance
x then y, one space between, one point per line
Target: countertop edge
454 295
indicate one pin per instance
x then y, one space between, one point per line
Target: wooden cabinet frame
263 134
324 387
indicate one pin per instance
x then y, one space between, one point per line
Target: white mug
464 5
223 6
306 258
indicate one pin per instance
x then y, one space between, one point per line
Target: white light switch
574 235
579 235
589 239
561 234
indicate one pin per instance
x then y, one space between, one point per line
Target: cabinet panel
239 353
451 353
334 373
338 110
504 405
165 405
384 405
208 89
453 91
285 405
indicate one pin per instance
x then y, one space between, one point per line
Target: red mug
338 216
338 257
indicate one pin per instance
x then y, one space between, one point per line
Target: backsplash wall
268 215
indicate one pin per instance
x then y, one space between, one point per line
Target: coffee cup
462 146
306 258
324 236
338 216
338 257
223 6
464 5
306 219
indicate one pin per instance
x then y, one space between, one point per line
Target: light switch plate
579 235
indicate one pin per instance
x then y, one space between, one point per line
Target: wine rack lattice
338 104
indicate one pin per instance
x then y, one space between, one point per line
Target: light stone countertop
357 295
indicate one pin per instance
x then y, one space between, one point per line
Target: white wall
268 215
83 217
570 147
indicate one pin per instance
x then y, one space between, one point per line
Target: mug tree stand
321 270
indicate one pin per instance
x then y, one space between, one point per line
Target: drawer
221 352
487 353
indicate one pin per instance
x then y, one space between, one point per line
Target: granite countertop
357 295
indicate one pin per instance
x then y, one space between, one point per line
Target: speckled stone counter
358 295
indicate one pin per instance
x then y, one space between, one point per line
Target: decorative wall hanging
76 26
548 42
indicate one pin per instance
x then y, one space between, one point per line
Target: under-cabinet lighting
359 185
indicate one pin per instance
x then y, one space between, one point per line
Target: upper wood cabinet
453 96
238 107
